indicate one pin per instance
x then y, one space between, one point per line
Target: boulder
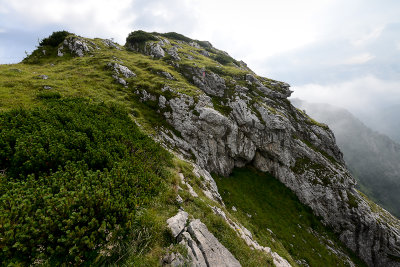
177 223
77 45
120 69
214 252
203 247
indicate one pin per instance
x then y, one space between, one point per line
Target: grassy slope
273 206
88 77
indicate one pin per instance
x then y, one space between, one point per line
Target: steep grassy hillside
272 212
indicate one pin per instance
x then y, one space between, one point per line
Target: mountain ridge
212 109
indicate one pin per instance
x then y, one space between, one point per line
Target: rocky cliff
239 118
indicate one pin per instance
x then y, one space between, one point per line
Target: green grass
272 205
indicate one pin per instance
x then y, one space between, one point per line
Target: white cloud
367 37
359 59
260 28
91 17
358 95
2 30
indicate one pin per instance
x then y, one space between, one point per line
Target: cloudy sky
342 52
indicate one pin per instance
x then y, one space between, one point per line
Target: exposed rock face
178 222
152 49
301 154
214 253
173 52
203 248
256 124
208 81
76 45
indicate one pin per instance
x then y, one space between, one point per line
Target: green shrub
76 175
139 37
176 36
224 59
205 44
54 39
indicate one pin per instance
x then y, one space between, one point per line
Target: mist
372 158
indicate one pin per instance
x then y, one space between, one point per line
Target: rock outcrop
255 124
300 154
120 70
152 49
203 247
78 46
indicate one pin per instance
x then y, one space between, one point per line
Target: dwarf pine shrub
75 175
54 39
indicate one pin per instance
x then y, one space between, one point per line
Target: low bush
139 37
54 39
176 36
205 44
76 175
224 59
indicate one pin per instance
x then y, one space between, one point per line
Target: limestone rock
195 45
152 49
283 93
59 51
120 69
203 247
77 45
173 259
111 44
286 143
162 101
208 81
167 75
173 52
214 252
155 50
204 53
179 199
190 188
178 222
253 80
210 188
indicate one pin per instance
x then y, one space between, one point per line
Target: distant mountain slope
386 121
373 158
